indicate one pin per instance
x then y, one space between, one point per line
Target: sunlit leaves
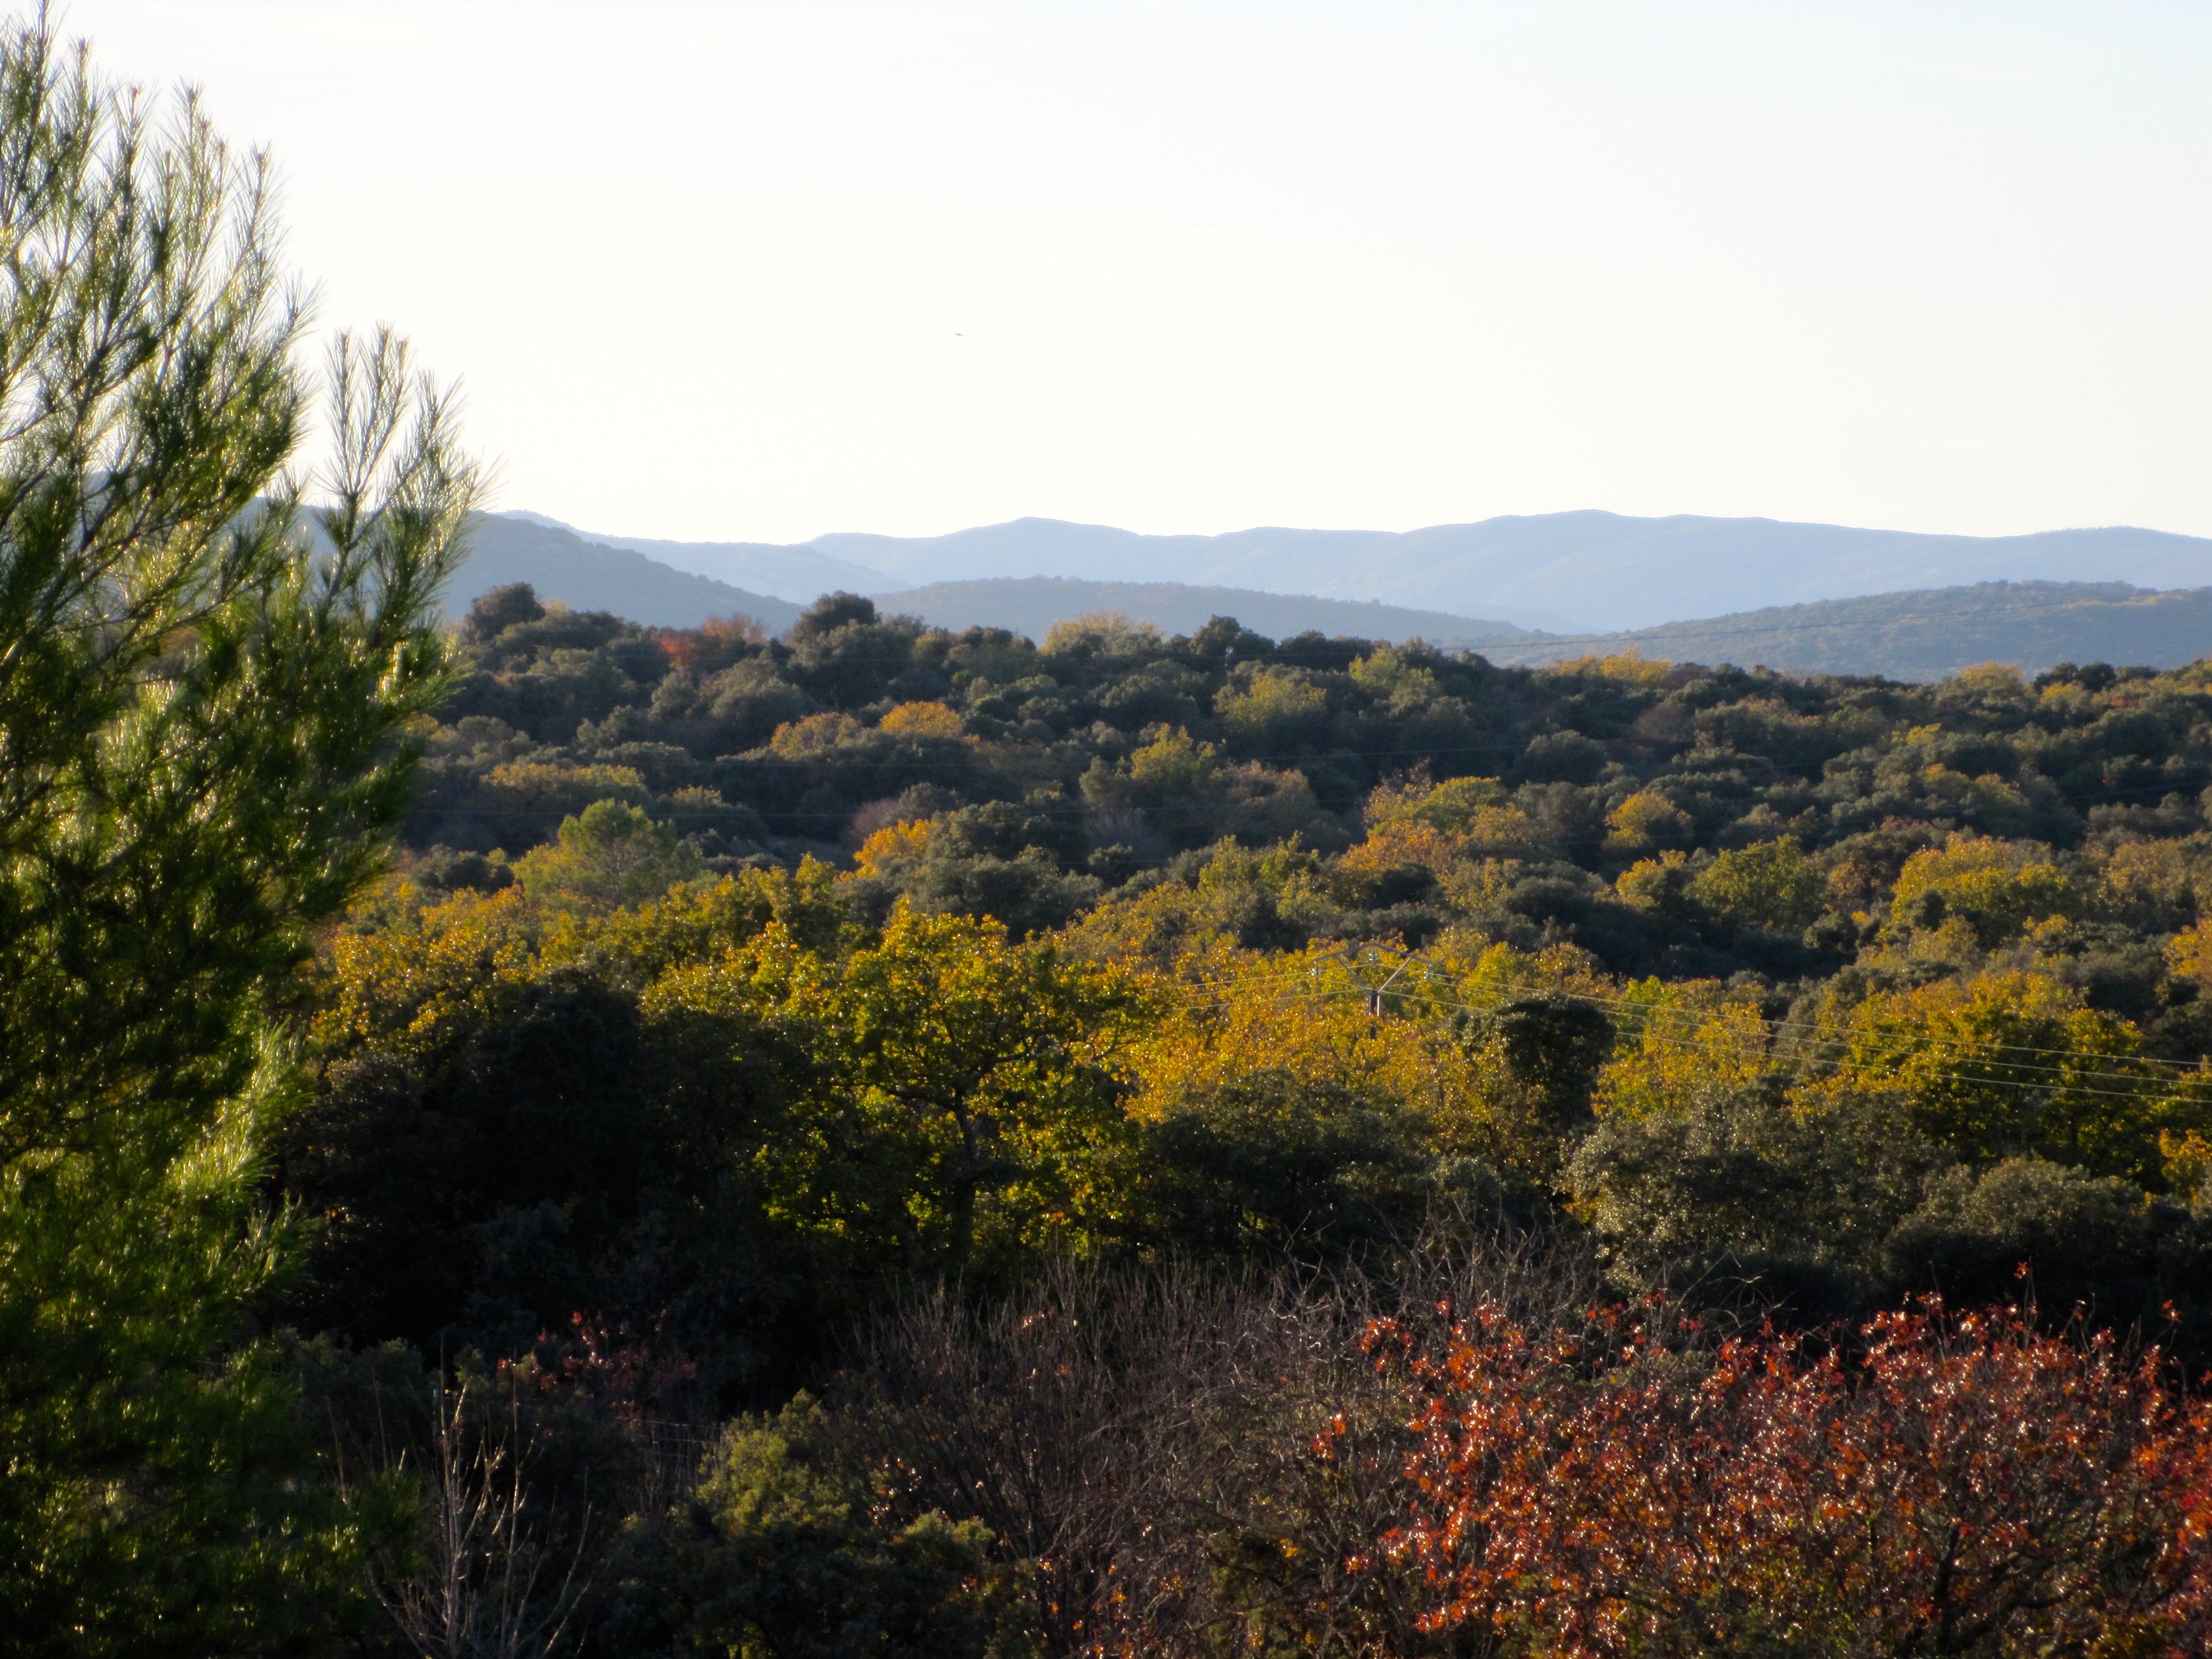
1997 888
997 1065
1769 884
2012 1062
1941 1484
205 684
608 855
1680 1044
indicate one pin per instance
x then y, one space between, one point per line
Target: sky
764 271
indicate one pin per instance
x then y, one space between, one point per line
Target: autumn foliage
1943 1484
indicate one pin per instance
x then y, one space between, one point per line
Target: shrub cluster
923 1124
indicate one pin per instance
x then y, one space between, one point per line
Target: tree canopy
205 675
883 1141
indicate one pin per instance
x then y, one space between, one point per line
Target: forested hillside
1124 749
1924 634
525 1132
1021 1076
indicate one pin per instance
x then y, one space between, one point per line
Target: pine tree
205 683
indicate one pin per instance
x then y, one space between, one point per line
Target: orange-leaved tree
1945 1484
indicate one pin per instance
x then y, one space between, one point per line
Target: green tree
1769 884
2011 1064
610 854
204 686
778 1558
1271 1163
992 1064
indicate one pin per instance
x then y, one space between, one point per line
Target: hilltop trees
885 1140
1251 979
200 717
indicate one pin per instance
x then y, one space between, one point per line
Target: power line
1294 976
1066 808
754 758
1699 1043
1652 1012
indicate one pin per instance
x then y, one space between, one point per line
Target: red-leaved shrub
1947 1484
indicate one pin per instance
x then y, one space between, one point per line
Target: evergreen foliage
200 715
885 1140
1781 999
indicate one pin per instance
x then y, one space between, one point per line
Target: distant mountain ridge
1583 572
588 575
1916 634
591 576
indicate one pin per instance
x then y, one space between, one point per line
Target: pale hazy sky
762 270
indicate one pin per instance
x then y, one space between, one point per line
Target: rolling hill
1571 572
1031 604
798 572
588 575
1913 635
1923 636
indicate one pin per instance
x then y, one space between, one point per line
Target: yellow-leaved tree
2013 1063
995 1070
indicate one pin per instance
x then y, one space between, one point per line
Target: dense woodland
555 1136
982 1095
